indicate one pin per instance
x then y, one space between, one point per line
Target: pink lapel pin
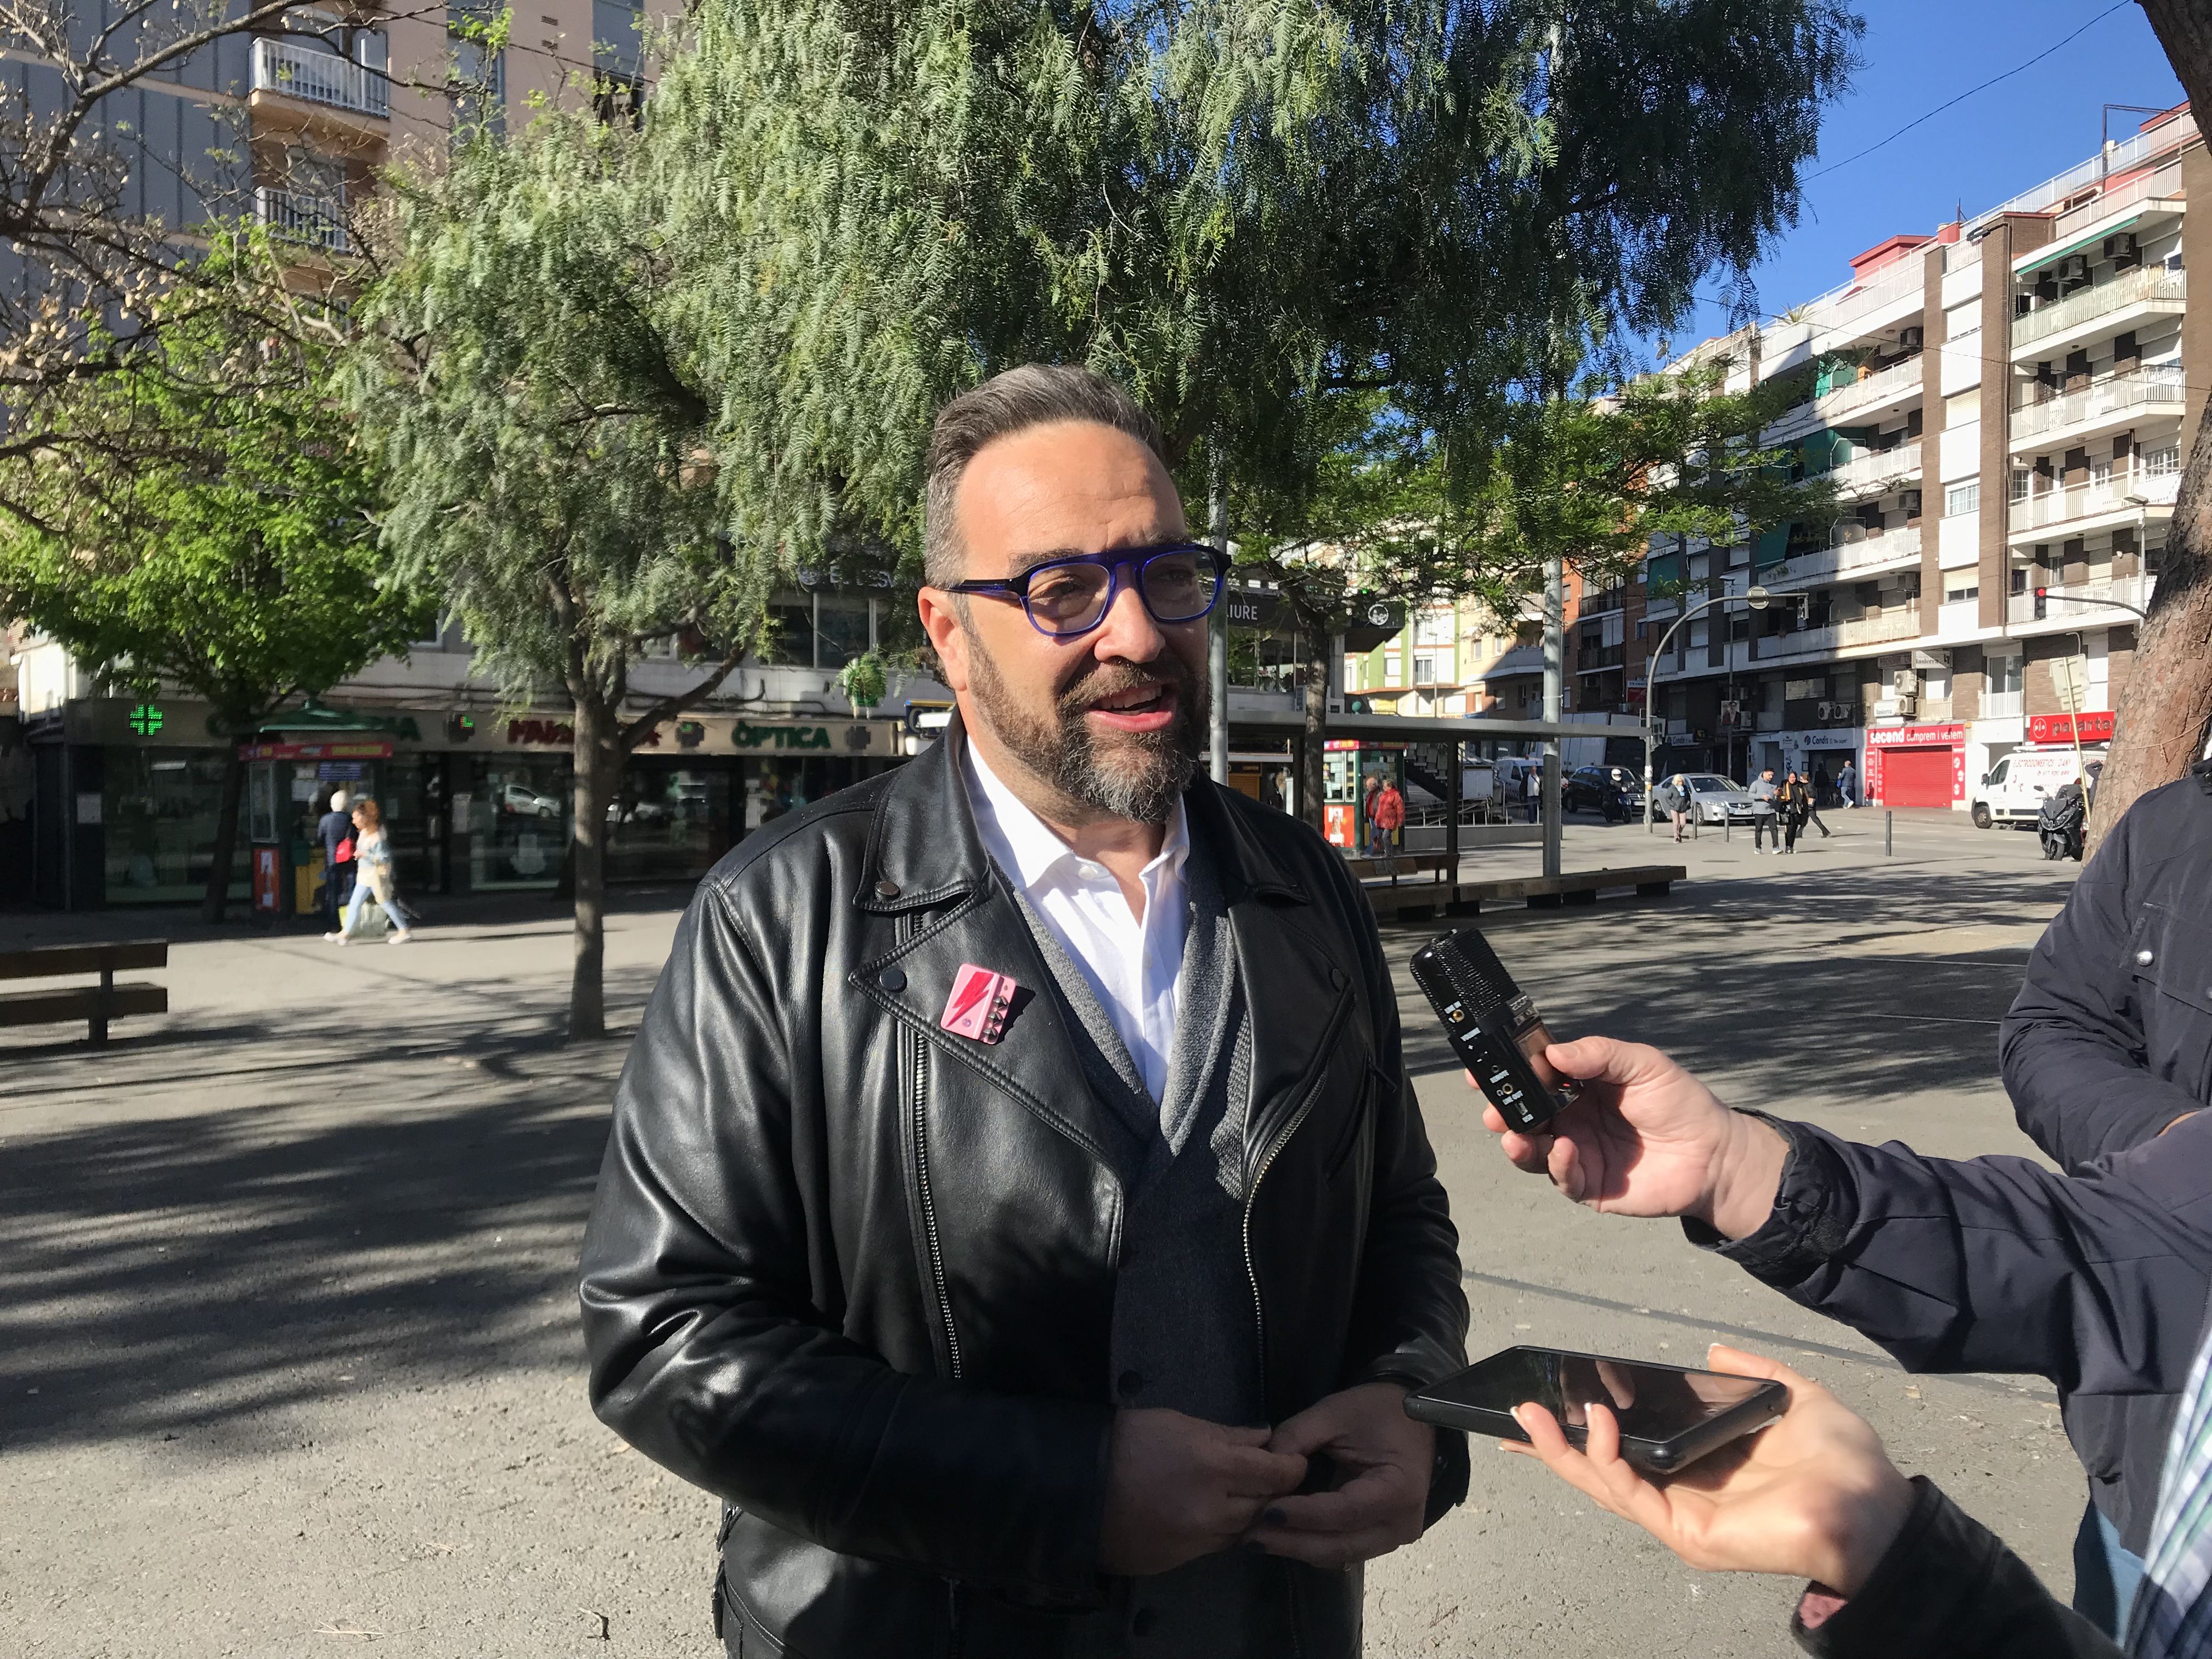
977 1007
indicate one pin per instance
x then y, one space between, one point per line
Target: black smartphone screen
1652 1403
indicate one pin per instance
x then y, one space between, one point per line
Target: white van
2014 790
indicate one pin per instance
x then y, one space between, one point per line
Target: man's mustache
1112 678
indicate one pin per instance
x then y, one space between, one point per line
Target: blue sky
1919 53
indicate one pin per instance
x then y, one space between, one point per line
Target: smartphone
1669 1415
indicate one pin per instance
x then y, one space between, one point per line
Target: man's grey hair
1035 394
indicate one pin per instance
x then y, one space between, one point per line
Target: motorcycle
2060 820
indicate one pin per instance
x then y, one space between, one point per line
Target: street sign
2070 677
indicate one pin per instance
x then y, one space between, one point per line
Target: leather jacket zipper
1267 1161
916 1059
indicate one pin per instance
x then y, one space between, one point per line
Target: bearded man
1016 1212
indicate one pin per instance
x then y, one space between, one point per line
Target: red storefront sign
354 749
2091 726
1913 736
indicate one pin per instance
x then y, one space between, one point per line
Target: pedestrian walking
1765 815
1388 807
1532 791
1847 785
1370 786
373 855
1673 798
335 830
1813 791
1795 803
1824 792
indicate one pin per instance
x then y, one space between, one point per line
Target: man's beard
1138 776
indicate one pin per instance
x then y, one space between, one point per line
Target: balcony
1893 623
2116 499
2063 607
2119 399
2055 324
321 77
1860 550
308 220
1898 384
1877 474
2000 706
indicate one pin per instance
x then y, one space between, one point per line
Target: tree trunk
2161 722
2162 713
597 759
1312 756
226 834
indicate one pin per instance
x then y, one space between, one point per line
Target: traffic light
2042 592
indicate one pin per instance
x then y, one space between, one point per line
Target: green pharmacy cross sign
145 720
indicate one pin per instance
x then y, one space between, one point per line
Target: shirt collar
1029 846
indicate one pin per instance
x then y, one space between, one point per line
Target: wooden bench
96 1003
1414 864
1571 887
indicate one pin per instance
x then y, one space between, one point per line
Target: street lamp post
1757 599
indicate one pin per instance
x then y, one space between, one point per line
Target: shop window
519 821
158 809
667 823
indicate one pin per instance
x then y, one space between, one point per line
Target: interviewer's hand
1384 1457
1648 1138
1814 1496
1178 1487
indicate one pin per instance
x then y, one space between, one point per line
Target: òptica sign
746 735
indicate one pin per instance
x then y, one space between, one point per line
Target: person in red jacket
1386 811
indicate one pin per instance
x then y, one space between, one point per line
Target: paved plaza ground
289 1361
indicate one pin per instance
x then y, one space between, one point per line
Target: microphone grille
1473 970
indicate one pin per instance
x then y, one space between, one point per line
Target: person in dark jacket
2108 1045
2099 1282
1017 1209
335 830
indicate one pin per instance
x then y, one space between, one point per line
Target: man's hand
1812 1497
1178 1487
1648 1138
1384 1457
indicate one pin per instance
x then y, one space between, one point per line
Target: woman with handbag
372 852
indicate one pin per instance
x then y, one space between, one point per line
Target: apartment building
2004 404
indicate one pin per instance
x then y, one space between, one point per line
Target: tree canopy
207 522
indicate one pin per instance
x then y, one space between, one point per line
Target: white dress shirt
1132 963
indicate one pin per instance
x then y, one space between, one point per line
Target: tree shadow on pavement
397 1207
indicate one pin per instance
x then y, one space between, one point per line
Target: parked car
2014 789
1718 800
1614 791
520 798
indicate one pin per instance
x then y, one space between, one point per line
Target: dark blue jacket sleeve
2097 1282
2072 1046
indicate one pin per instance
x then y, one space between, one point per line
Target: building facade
2004 404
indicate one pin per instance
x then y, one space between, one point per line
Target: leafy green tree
203 519
544 431
1261 214
1587 480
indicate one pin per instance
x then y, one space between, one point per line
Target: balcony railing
2055 605
2135 488
306 219
319 77
1876 388
1896 621
2154 285
2117 394
1999 705
1859 551
1858 476
2166 181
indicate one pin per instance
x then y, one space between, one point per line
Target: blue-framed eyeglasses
1178 582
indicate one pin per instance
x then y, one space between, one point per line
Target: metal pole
1888 826
1217 634
1555 608
1650 697
1455 787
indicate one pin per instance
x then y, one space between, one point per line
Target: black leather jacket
855 1274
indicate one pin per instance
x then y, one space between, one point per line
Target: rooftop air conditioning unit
1910 336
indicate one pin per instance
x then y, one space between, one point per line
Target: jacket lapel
924 854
